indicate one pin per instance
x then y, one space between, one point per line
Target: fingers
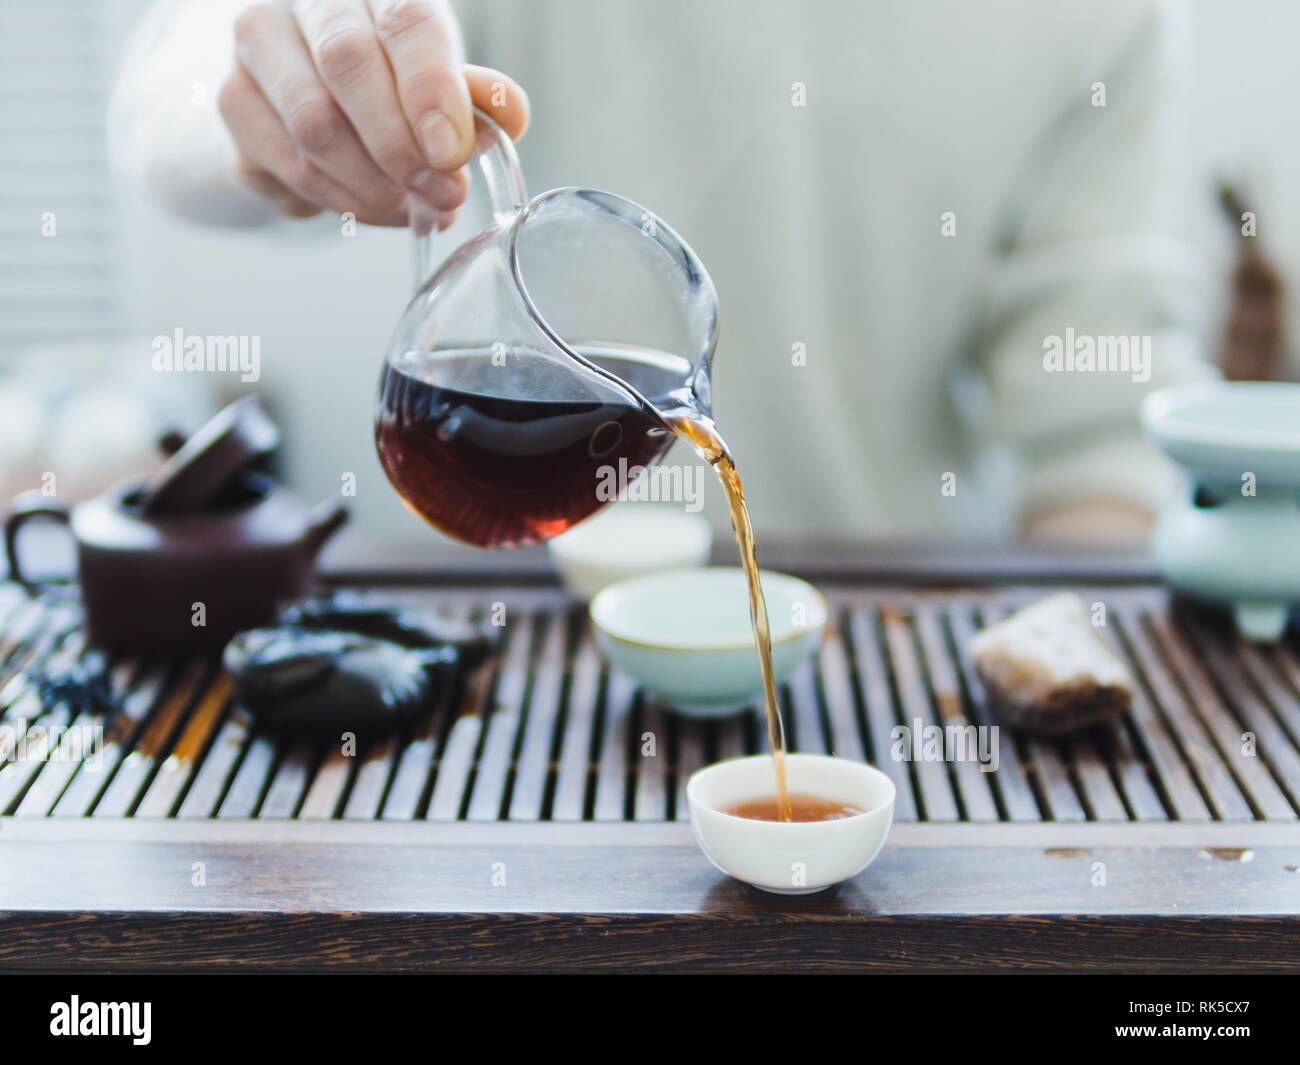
271 188
354 105
269 47
421 41
267 150
345 49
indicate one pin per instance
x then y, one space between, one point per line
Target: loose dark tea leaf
84 688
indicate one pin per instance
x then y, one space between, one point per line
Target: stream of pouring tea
704 437
448 433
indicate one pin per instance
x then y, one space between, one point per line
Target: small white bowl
1222 429
687 635
791 858
628 540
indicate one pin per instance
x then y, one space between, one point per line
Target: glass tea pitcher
537 367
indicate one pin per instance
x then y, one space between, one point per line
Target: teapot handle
505 184
28 505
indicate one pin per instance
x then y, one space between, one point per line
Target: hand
352 105
1094 521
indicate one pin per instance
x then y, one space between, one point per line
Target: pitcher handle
505 184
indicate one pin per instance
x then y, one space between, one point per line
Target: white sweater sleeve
1087 254
164 131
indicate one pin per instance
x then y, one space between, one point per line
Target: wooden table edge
333 896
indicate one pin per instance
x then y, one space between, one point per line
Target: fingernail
438 189
440 139
424 185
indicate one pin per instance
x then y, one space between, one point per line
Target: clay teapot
205 549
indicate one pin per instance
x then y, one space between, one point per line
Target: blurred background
93 270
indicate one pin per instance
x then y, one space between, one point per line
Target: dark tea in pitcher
473 447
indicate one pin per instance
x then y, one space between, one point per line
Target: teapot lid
195 475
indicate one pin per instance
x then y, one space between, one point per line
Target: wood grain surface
341 895
515 830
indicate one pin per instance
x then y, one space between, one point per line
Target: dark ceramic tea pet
204 549
350 612
341 664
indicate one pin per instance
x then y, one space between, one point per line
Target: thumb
500 97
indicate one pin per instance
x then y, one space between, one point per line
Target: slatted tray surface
536 819
545 732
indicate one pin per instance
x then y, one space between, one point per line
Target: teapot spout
326 519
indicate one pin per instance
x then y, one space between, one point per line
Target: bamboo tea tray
521 826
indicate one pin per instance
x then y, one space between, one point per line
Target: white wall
323 307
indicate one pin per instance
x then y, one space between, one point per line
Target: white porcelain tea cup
628 540
687 636
791 858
